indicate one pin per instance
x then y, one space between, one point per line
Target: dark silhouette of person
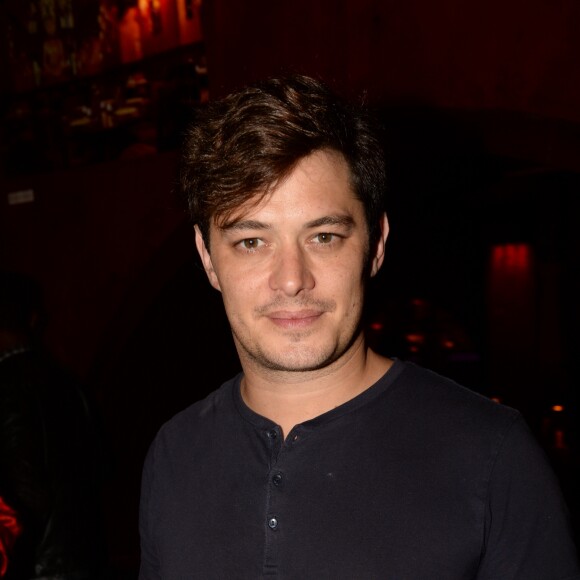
49 451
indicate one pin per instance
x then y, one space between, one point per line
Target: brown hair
240 147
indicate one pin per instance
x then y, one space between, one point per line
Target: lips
294 319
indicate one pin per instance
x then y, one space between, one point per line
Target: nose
291 273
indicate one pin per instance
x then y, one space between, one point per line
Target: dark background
480 105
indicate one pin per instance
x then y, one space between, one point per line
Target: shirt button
272 523
277 479
272 434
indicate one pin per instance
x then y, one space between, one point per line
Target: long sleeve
527 532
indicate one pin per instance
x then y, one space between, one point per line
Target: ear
206 259
379 254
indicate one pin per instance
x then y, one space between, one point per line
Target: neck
290 398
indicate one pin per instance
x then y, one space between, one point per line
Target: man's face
291 269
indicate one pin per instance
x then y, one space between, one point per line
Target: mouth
296 319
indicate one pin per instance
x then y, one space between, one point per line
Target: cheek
239 293
347 284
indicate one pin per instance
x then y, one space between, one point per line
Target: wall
87 237
515 55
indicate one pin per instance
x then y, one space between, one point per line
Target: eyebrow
329 220
332 220
244 225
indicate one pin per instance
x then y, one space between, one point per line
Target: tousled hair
237 149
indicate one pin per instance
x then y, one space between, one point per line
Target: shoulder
442 400
199 421
449 422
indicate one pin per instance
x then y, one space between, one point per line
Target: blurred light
558 408
496 399
377 326
415 338
512 256
559 440
448 344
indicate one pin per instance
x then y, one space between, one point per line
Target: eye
324 238
251 243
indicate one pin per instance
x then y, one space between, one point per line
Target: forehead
319 183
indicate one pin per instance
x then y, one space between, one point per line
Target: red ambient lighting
511 257
511 299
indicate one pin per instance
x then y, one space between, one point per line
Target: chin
297 360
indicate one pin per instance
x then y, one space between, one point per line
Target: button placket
274 441
276 480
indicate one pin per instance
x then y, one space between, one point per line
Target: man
323 459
